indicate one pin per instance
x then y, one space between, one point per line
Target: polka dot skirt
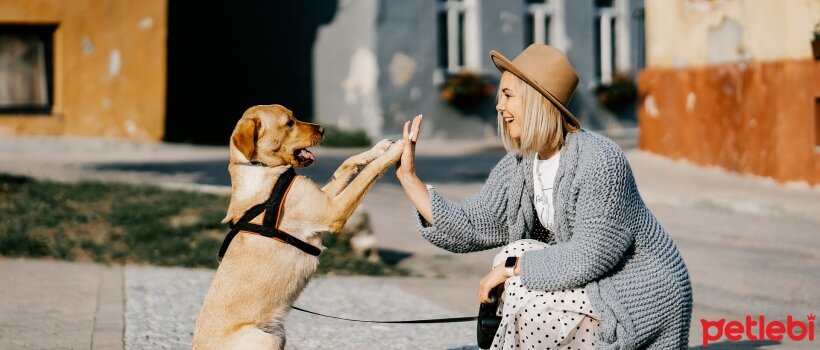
537 319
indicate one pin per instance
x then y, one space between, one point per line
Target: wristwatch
509 265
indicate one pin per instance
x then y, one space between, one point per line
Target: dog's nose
322 130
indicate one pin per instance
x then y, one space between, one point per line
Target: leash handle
432 320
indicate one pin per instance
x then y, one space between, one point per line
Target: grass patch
120 223
335 137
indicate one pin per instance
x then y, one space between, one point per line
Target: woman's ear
244 137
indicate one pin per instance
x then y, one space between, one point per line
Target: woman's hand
497 275
406 172
406 166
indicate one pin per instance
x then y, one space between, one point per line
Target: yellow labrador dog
259 278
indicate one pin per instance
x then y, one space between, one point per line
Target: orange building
733 83
83 67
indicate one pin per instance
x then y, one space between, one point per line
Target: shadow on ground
392 257
439 169
737 345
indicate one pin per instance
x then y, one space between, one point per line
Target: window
459 35
817 123
639 61
611 39
26 69
544 23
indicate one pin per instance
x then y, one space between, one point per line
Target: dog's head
271 135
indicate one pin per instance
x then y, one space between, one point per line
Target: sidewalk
59 305
750 246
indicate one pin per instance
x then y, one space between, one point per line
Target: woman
586 232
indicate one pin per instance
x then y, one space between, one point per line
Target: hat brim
504 64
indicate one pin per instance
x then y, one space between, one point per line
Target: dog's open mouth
304 156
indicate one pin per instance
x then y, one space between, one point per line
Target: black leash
432 320
270 223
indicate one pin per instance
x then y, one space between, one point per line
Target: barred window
607 30
538 22
459 37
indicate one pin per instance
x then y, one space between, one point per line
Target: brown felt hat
546 69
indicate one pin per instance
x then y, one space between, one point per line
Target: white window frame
471 50
554 10
605 16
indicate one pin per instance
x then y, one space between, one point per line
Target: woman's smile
510 105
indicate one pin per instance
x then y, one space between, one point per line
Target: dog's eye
289 123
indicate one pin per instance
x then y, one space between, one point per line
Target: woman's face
511 105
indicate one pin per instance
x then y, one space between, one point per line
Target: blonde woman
584 263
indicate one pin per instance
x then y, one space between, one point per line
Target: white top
543 176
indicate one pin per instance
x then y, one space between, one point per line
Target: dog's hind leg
351 167
251 337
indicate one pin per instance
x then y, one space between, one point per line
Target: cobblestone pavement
163 303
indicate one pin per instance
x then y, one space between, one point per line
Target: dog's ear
244 136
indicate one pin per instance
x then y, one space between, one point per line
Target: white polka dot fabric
537 319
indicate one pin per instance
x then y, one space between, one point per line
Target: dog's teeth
307 154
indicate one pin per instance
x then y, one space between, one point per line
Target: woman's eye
289 123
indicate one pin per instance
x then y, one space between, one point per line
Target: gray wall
404 53
579 17
503 30
346 70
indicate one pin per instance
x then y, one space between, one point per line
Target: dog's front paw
382 146
365 158
394 152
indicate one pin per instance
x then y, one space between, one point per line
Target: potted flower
617 95
466 90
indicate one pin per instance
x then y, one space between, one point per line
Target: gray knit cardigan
607 240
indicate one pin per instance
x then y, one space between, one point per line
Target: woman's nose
499 106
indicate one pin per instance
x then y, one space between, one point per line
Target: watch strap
509 265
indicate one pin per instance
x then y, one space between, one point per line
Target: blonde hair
543 126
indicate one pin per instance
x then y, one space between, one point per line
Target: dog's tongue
307 155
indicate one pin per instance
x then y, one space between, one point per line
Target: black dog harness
270 223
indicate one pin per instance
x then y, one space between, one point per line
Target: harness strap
270 223
279 236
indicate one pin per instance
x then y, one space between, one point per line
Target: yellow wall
109 67
688 32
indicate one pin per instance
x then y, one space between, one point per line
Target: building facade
184 72
380 62
83 68
734 84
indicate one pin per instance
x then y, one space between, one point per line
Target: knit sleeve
600 234
476 223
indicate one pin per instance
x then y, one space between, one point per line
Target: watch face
511 261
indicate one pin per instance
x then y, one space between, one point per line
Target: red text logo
759 329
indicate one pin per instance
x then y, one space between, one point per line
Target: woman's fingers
484 297
484 291
414 134
405 164
495 277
